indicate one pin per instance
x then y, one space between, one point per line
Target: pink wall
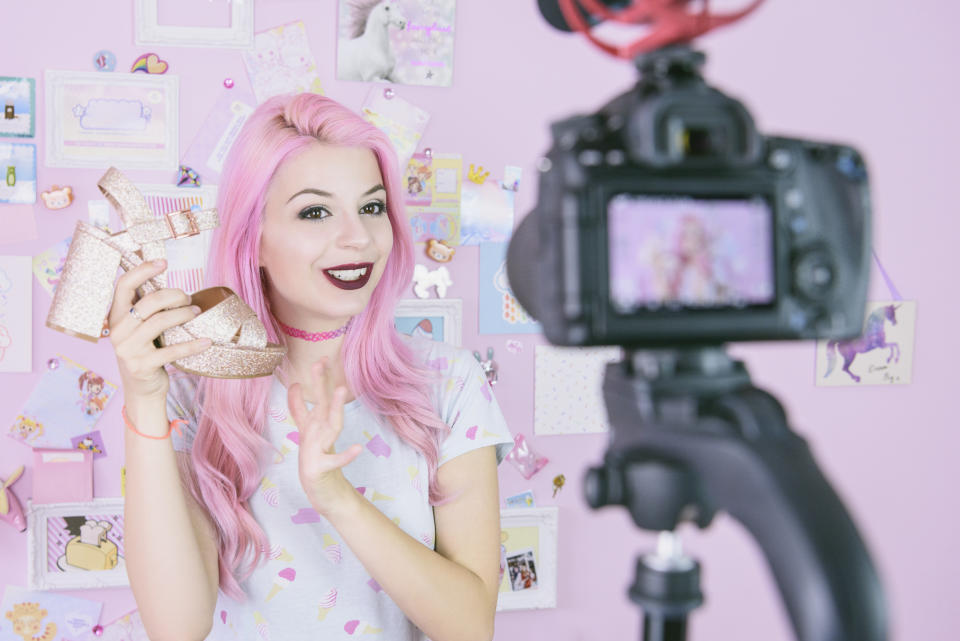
874 74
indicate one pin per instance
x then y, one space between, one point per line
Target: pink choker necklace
314 337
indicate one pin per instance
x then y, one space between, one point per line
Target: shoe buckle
191 220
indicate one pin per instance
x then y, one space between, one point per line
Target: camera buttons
781 159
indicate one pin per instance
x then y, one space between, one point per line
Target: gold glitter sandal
83 296
240 348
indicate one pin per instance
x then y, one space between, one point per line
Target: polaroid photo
18 97
127 120
76 545
528 558
18 166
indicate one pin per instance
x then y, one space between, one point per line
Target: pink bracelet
174 426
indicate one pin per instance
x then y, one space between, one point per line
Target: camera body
666 219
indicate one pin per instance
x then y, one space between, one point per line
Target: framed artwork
149 31
76 545
18 173
128 120
439 319
528 558
18 99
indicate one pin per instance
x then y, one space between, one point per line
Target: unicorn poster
882 355
400 41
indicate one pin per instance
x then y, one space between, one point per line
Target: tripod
690 436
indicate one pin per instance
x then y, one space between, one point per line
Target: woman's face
326 236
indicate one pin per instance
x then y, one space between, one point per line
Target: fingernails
195 309
159 262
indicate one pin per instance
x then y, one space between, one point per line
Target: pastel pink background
879 75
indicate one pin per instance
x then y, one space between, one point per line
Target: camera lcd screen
682 252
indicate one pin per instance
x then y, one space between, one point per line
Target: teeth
348 274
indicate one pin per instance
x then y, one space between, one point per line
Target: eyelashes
318 212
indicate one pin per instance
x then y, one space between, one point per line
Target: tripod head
691 436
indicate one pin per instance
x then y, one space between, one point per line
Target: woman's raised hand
132 332
320 465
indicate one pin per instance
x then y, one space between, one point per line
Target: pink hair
380 368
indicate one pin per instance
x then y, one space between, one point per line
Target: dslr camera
665 219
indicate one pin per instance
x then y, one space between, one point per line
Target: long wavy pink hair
379 366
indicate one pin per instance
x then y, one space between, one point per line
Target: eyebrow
320 192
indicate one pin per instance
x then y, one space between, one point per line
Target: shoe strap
222 322
142 227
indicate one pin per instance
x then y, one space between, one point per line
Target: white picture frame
450 310
534 548
127 120
148 31
47 569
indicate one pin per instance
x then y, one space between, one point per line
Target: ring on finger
136 314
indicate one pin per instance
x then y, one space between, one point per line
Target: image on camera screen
682 252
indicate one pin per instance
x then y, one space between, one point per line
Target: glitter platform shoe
83 296
240 348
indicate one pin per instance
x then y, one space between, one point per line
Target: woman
355 490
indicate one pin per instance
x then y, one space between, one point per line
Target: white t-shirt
313 586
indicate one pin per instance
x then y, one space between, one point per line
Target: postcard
48 265
18 97
402 121
500 312
18 166
186 257
67 402
486 212
881 355
128 120
568 389
400 41
45 615
281 62
15 314
128 627
209 148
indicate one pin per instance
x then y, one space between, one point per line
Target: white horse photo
365 53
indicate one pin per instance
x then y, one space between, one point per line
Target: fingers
151 327
126 290
170 353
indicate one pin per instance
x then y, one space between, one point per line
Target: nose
353 234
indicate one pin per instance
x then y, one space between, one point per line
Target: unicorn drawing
365 53
873 338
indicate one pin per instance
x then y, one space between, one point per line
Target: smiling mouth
353 276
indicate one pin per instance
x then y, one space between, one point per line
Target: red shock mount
670 20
